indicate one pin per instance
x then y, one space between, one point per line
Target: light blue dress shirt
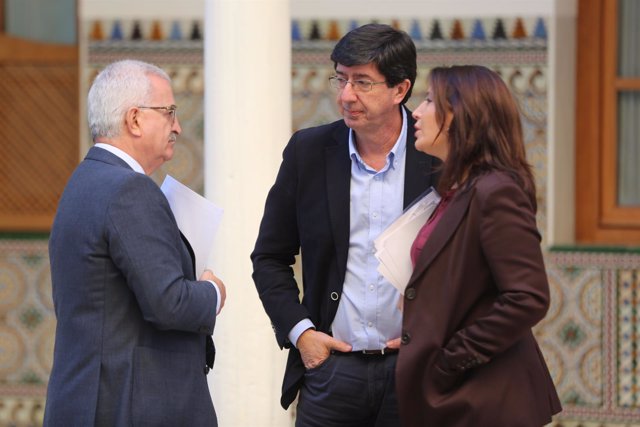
368 314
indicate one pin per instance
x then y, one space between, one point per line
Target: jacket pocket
443 378
169 388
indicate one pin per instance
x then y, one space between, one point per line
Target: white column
561 125
247 124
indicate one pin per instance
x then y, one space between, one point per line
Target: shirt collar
121 154
398 148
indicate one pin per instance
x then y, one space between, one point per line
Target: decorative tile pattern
27 321
629 338
590 336
571 334
430 30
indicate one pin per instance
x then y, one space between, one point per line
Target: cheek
434 131
423 142
168 152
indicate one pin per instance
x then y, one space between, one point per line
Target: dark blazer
132 320
307 210
469 357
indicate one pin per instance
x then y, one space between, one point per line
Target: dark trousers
350 390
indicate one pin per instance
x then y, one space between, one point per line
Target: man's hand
208 275
315 347
395 343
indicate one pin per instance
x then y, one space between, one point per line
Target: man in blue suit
134 324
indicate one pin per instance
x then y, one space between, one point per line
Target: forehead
161 89
369 70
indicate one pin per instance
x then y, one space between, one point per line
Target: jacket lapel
192 254
443 231
338 179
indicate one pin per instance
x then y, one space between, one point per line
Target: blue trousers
350 390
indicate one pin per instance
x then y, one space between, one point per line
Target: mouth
352 113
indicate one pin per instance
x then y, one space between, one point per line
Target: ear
448 118
401 90
132 121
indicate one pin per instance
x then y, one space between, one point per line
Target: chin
352 124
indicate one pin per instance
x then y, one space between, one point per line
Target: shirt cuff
218 294
298 329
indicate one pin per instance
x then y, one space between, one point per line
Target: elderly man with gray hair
133 340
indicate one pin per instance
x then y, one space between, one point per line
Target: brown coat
469 358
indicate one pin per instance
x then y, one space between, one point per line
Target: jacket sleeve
145 244
275 250
510 244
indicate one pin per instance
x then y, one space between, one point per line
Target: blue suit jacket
307 210
132 319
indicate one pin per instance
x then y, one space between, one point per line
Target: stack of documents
393 246
197 218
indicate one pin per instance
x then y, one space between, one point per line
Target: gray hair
118 87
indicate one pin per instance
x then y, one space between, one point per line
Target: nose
176 126
347 93
418 111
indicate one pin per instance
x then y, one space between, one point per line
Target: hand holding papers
394 244
197 218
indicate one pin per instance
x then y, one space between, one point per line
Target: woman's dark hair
390 50
485 133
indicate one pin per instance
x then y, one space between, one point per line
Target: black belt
382 352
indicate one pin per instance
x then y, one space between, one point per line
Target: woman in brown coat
468 356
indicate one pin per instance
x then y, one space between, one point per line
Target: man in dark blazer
339 186
133 323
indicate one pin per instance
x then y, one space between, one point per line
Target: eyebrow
356 75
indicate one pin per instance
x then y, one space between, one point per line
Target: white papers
197 218
393 246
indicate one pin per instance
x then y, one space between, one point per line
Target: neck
127 148
374 145
378 146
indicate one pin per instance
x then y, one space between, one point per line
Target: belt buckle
376 352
